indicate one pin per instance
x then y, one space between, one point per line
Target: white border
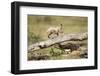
26 65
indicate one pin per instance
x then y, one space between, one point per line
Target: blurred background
38 25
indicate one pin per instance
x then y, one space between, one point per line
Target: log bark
80 43
59 39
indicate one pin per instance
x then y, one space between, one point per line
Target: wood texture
58 40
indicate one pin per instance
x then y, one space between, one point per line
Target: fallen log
59 39
73 45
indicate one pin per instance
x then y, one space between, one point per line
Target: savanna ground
37 27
